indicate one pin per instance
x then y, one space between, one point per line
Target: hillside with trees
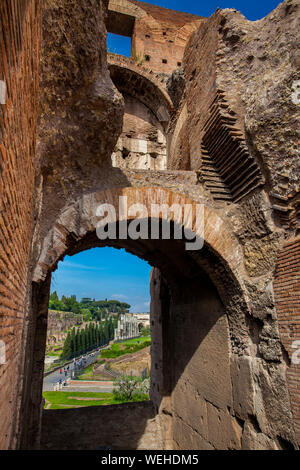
97 320
91 309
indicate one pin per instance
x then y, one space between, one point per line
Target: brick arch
134 79
79 220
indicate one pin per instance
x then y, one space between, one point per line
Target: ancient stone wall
201 371
142 144
19 64
119 427
207 395
232 124
59 323
76 93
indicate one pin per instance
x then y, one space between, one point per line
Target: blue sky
252 9
103 273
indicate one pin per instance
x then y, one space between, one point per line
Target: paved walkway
52 379
95 386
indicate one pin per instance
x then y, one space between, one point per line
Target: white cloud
143 307
119 296
69 264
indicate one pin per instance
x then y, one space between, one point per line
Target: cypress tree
79 345
87 338
106 331
83 342
111 329
67 351
98 335
95 334
73 341
90 336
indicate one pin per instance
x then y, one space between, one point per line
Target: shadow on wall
118 427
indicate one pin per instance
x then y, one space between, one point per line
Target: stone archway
131 77
148 109
79 219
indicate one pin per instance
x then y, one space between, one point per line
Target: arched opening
198 327
142 144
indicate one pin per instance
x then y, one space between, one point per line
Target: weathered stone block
243 387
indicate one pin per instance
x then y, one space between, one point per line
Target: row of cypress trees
81 341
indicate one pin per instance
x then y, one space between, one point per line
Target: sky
252 9
105 273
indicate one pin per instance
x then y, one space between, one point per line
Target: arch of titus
204 112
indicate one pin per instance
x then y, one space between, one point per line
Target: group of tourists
81 362
77 363
66 370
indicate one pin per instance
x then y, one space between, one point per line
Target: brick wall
287 293
159 34
19 45
200 72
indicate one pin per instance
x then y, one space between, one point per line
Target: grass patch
127 347
57 400
53 353
140 340
87 373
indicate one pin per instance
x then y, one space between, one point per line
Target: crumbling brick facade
287 291
194 129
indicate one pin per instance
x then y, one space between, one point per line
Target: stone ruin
128 327
205 111
58 324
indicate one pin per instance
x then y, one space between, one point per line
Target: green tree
83 340
54 296
145 331
73 341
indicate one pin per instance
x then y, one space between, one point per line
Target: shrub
125 387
